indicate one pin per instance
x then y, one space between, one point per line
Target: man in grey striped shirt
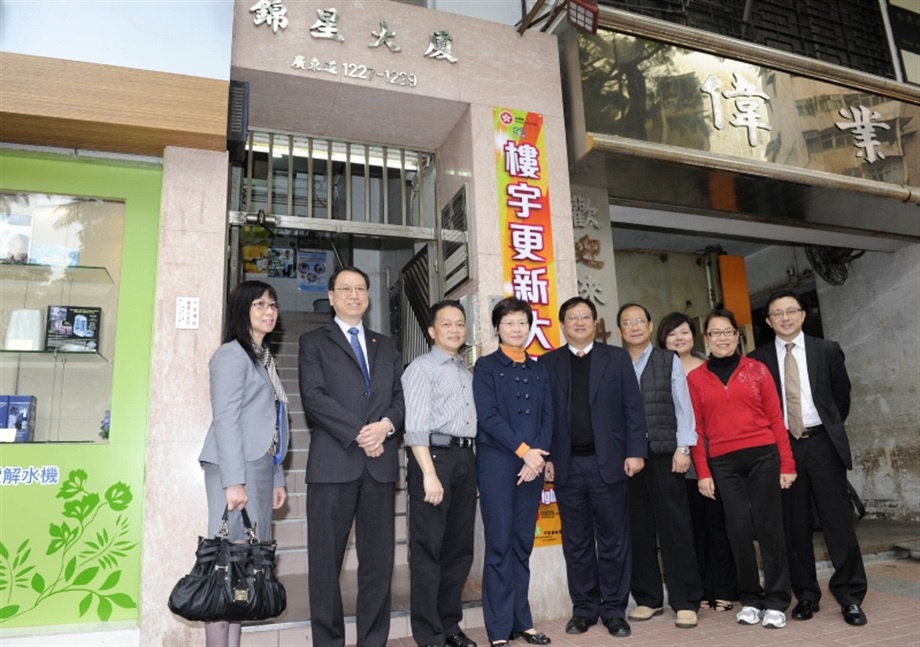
440 427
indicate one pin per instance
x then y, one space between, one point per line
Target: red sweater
745 413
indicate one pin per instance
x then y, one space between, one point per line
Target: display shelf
40 273
44 356
54 307
32 443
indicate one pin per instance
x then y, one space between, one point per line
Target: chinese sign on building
274 15
667 94
529 266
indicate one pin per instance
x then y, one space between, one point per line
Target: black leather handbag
230 581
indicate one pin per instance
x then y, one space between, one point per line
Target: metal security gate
409 302
302 182
340 190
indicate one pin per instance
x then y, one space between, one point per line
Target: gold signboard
646 90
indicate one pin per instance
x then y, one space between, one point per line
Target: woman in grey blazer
248 436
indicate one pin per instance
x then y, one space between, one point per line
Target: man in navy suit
815 410
599 441
351 391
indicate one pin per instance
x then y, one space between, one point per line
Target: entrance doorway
300 207
677 279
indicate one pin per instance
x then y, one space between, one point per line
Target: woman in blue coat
515 412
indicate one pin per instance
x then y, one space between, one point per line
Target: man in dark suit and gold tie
351 392
814 388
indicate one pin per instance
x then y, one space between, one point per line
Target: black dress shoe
854 615
578 625
618 627
536 638
459 639
805 609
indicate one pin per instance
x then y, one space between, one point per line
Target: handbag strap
224 529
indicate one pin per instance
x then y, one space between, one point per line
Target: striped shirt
438 390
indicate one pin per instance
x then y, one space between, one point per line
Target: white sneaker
774 619
749 616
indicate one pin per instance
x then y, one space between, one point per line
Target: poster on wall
15 238
313 269
282 255
525 225
255 256
281 261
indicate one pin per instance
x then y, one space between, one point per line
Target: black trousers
748 482
441 543
595 540
822 476
331 509
660 516
713 552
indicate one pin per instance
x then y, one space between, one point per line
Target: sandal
722 605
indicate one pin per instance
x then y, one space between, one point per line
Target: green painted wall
70 552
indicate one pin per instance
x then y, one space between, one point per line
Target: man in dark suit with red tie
814 388
599 441
351 392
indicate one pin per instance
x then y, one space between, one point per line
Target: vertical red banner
528 261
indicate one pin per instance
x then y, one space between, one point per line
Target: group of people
649 448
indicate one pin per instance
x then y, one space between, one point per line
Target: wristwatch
684 450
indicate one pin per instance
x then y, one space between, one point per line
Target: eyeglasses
722 333
357 289
641 321
265 305
574 318
789 312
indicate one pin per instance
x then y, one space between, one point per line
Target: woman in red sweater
749 461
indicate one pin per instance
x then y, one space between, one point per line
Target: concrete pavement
892 607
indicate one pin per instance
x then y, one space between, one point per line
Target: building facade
403 140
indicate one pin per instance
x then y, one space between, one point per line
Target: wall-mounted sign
273 14
355 71
656 92
29 475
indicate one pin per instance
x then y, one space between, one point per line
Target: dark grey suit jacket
830 387
617 410
333 394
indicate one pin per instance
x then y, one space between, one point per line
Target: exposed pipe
892 46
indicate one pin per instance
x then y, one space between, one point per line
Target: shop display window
59 277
